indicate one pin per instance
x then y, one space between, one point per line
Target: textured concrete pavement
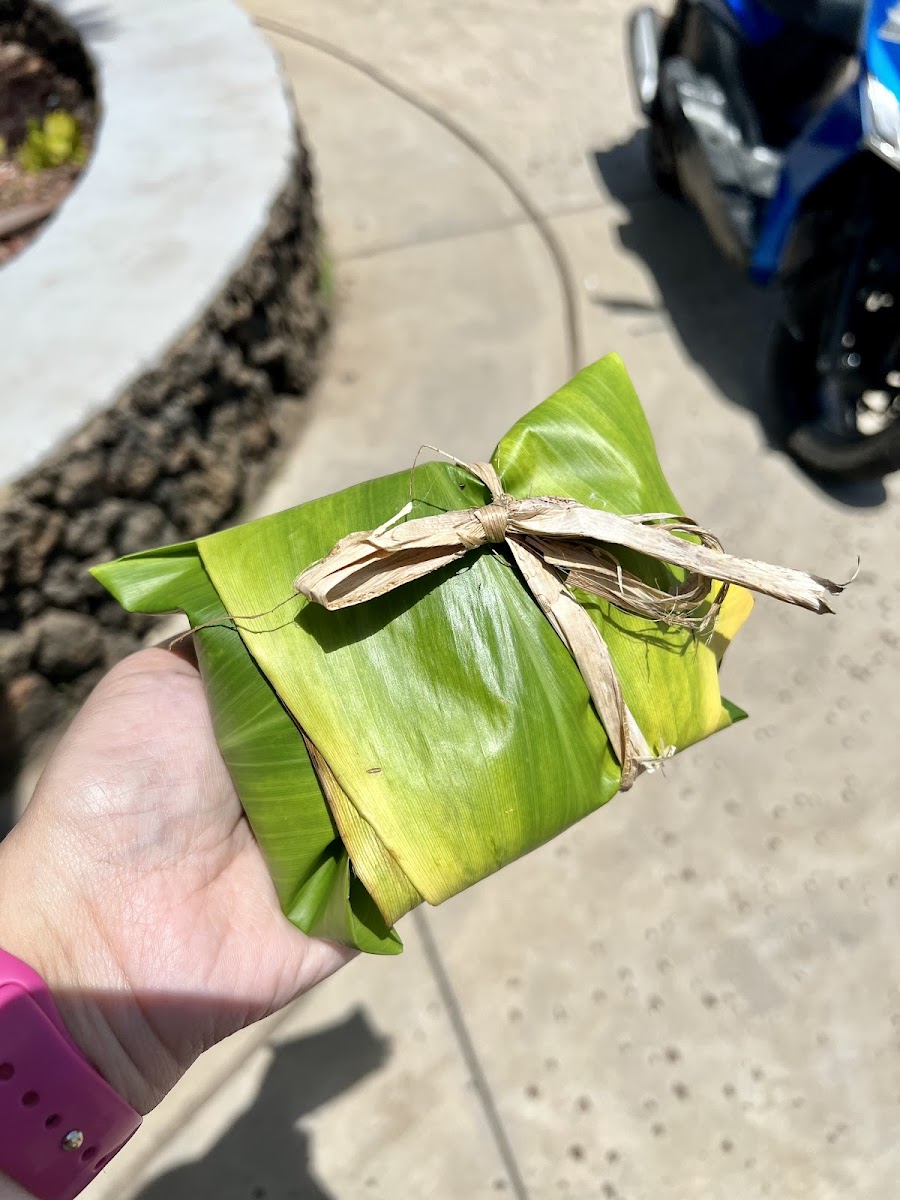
695 993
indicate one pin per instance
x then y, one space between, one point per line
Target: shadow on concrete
264 1155
10 765
7 808
723 320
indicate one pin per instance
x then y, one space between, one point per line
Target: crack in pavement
538 219
470 1055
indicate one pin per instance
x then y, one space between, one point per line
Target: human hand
134 886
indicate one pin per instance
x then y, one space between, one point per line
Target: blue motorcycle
780 123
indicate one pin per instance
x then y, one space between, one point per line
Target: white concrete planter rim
196 140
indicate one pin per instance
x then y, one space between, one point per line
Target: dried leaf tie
559 544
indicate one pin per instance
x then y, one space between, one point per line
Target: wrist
57 937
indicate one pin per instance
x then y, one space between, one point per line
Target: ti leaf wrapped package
442 695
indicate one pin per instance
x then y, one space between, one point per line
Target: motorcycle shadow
723 320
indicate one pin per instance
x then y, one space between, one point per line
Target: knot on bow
492 518
494 521
559 544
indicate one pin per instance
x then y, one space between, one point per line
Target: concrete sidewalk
693 993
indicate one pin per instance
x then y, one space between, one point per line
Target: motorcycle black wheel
823 450
661 159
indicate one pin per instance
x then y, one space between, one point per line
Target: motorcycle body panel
780 124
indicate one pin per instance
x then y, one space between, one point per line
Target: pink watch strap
60 1122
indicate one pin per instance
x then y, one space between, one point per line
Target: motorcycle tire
661 159
850 457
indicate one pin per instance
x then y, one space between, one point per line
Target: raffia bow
558 544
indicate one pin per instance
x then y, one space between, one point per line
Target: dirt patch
34 87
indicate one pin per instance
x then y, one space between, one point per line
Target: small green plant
52 143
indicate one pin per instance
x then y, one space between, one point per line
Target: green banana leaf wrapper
403 749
